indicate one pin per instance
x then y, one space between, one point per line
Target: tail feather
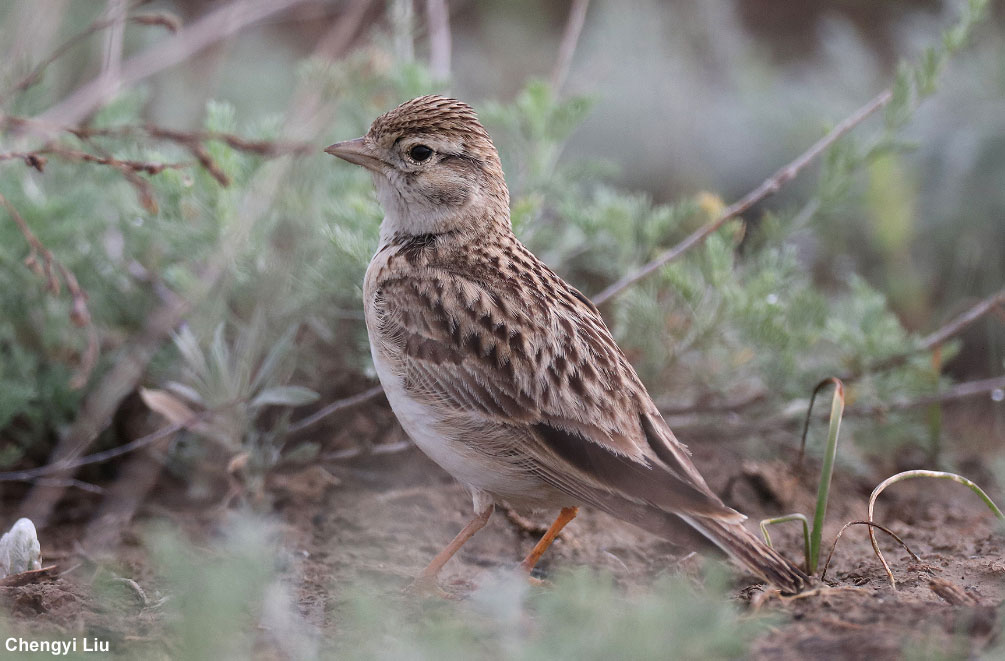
752 553
695 530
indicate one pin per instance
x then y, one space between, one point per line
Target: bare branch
130 169
211 28
61 467
769 187
958 391
963 321
699 426
163 19
51 270
32 159
570 38
335 407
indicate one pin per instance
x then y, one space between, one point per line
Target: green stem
785 519
827 471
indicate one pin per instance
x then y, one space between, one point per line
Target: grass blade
907 475
827 470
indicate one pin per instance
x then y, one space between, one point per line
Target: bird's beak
356 152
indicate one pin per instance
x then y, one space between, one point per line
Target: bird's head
434 167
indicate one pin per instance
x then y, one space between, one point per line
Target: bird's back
483 334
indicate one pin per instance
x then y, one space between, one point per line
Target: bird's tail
752 553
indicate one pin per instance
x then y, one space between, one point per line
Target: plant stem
826 472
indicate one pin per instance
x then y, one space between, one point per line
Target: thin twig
702 404
950 329
162 19
51 269
698 426
335 407
570 38
766 189
958 391
906 475
215 26
438 20
184 138
871 525
32 474
36 159
78 484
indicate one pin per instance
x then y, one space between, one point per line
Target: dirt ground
378 518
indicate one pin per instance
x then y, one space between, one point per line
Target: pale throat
417 215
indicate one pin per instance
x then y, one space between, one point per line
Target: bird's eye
420 153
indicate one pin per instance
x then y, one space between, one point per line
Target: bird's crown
430 114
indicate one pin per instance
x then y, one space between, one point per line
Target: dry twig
42 262
570 38
162 19
215 26
770 186
335 407
940 336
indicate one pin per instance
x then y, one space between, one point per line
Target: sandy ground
384 516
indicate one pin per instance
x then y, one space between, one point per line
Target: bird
503 373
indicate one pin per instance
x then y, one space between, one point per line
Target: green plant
233 384
583 616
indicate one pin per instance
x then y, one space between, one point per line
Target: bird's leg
426 580
564 517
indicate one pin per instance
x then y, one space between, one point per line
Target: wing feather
576 411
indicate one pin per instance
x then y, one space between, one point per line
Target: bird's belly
458 456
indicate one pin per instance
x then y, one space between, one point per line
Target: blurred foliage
234 598
740 314
583 616
746 313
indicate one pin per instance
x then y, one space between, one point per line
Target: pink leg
426 581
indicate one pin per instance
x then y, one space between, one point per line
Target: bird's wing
537 357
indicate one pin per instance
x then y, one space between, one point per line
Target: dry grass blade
906 475
870 525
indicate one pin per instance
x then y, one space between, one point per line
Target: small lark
499 370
